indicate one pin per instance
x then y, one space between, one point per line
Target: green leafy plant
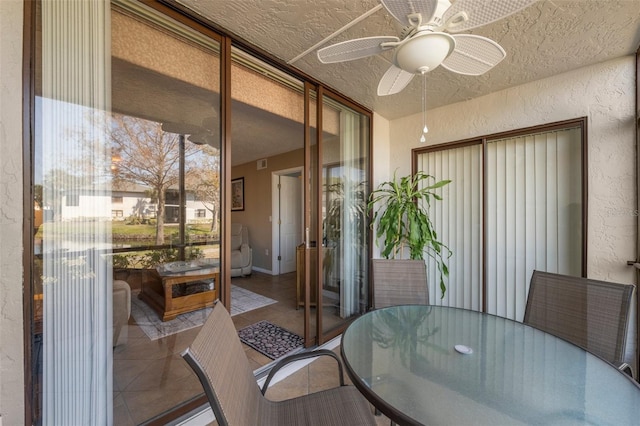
401 213
346 207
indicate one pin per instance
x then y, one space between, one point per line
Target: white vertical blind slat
520 227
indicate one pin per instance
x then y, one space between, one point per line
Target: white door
290 221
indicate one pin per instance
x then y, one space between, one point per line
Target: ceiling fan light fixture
424 52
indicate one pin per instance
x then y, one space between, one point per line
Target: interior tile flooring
151 377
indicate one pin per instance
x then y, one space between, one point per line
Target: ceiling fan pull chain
424 107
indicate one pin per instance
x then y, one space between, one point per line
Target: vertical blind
532 194
77 288
533 204
458 223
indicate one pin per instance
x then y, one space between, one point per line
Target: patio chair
589 313
399 282
217 357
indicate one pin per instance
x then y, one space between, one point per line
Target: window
116 213
201 213
116 199
515 204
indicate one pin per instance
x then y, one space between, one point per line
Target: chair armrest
245 250
625 368
300 356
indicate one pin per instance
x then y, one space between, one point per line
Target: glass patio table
437 365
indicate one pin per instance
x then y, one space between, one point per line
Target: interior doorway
286 219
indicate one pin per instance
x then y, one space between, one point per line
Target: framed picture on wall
237 194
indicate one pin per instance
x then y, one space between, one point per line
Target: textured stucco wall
605 94
11 341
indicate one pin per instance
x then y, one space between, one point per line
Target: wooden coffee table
203 278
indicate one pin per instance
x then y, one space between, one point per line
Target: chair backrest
399 282
589 313
239 235
217 357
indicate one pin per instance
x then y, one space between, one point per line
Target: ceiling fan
429 39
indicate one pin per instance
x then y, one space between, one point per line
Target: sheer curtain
532 219
352 236
75 156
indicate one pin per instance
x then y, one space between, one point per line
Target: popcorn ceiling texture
547 38
11 341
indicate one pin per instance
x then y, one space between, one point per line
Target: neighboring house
132 202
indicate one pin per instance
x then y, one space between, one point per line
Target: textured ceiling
547 38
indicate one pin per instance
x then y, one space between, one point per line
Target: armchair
241 255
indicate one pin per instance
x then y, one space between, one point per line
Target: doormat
242 300
269 339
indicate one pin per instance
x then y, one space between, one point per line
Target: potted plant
401 218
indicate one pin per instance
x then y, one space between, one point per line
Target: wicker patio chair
399 282
217 357
589 313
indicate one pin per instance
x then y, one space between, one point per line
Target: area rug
242 300
269 339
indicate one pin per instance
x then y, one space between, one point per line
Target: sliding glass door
515 204
131 106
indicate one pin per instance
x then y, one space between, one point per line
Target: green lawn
123 231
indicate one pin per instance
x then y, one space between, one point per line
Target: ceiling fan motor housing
424 52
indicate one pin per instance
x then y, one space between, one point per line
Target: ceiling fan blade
400 9
481 12
473 55
355 49
393 81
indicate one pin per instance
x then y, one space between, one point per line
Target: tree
55 183
203 178
146 155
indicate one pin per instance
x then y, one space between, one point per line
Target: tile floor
151 377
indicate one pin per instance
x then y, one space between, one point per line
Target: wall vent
262 164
